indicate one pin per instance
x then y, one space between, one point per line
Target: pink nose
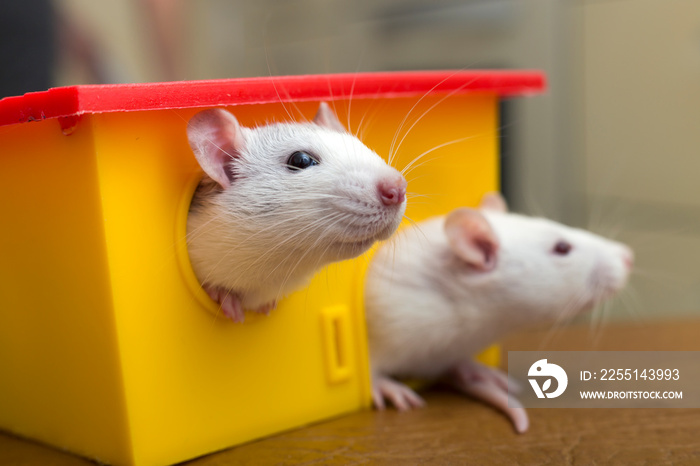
629 259
392 191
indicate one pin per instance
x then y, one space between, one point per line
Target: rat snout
392 190
628 258
612 272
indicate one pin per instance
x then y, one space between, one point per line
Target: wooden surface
455 430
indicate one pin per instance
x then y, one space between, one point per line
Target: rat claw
266 308
378 399
506 383
513 386
213 292
232 308
400 395
491 387
230 303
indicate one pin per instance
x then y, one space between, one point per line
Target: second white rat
280 201
447 288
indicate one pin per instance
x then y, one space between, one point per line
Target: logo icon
542 368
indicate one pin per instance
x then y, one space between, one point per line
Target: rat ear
215 138
472 239
326 118
494 201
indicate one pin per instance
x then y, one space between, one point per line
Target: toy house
109 348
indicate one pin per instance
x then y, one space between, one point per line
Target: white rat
280 201
441 291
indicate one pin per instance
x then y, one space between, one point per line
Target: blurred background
613 145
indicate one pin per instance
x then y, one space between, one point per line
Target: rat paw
490 386
401 396
229 303
266 308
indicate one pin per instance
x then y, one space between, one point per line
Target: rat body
446 289
280 201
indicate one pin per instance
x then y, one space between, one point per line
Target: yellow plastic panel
61 379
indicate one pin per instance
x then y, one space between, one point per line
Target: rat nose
628 258
392 191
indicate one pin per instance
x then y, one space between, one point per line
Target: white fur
427 310
272 228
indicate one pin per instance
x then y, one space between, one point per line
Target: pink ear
472 239
215 138
326 118
493 201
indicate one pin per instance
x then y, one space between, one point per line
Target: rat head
309 186
533 268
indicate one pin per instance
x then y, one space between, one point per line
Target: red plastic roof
74 101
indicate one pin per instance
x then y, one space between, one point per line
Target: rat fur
259 227
447 288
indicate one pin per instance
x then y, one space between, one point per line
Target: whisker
570 307
415 105
352 88
269 70
407 168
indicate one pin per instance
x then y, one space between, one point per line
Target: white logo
542 368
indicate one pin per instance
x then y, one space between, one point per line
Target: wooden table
455 430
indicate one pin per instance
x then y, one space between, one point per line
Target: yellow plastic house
107 348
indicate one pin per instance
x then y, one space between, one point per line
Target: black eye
300 160
562 248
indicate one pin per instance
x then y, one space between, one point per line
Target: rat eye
562 248
300 160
